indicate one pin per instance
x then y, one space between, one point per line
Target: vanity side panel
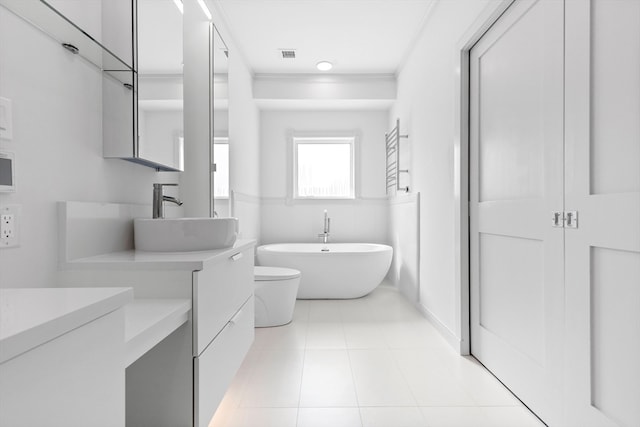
74 380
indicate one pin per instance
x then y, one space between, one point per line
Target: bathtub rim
374 248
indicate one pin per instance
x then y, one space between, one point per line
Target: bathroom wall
364 219
244 148
426 108
244 137
404 220
57 141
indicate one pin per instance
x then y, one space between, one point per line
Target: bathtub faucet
327 225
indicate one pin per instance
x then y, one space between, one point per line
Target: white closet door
516 181
603 186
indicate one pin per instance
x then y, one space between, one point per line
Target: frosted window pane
221 175
324 170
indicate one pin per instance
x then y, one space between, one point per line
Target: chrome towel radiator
393 159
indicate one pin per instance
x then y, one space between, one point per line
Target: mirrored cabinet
137 44
160 84
153 134
220 125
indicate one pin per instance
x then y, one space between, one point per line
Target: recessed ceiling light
324 65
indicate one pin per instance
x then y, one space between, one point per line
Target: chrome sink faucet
159 199
327 226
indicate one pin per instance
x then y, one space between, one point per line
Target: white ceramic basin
184 234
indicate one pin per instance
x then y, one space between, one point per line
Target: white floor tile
372 362
392 417
264 417
324 311
431 383
456 417
411 334
378 380
364 335
301 311
485 389
511 416
293 335
329 417
327 380
325 335
275 381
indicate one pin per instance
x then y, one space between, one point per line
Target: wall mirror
220 126
160 84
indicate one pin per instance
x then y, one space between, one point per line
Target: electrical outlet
9 226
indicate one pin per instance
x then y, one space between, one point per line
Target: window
221 175
323 168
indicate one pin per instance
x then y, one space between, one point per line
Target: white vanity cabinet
62 357
222 328
181 381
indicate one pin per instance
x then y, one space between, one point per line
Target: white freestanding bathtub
331 270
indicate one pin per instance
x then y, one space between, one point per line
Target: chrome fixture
393 160
327 225
71 48
159 199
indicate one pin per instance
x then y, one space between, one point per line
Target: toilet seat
270 274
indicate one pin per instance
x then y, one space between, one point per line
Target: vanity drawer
218 292
215 368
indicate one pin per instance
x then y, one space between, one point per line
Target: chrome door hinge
560 219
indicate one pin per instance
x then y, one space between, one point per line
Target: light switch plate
6 119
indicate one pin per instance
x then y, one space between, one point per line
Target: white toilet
276 289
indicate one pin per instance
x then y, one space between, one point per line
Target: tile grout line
353 377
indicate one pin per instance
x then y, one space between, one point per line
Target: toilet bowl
276 289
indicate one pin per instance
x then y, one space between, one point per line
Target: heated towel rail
393 159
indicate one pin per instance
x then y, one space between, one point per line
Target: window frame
350 138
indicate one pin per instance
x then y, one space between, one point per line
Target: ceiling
357 36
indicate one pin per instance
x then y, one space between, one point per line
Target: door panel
516 174
512 310
615 315
602 183
615 96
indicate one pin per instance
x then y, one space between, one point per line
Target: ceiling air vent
288 54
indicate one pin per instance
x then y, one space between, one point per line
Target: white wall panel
57 141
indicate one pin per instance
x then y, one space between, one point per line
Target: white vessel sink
184 234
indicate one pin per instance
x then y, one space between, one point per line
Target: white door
603 186
516 181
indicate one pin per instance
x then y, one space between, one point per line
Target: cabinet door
218 292
603 186
217 365
515 183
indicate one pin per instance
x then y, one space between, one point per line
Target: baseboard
446 333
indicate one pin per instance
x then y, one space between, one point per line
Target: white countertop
139 260
149 321
32 316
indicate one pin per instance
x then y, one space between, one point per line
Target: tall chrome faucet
327 225
159 199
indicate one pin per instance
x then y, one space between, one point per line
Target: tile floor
371 362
